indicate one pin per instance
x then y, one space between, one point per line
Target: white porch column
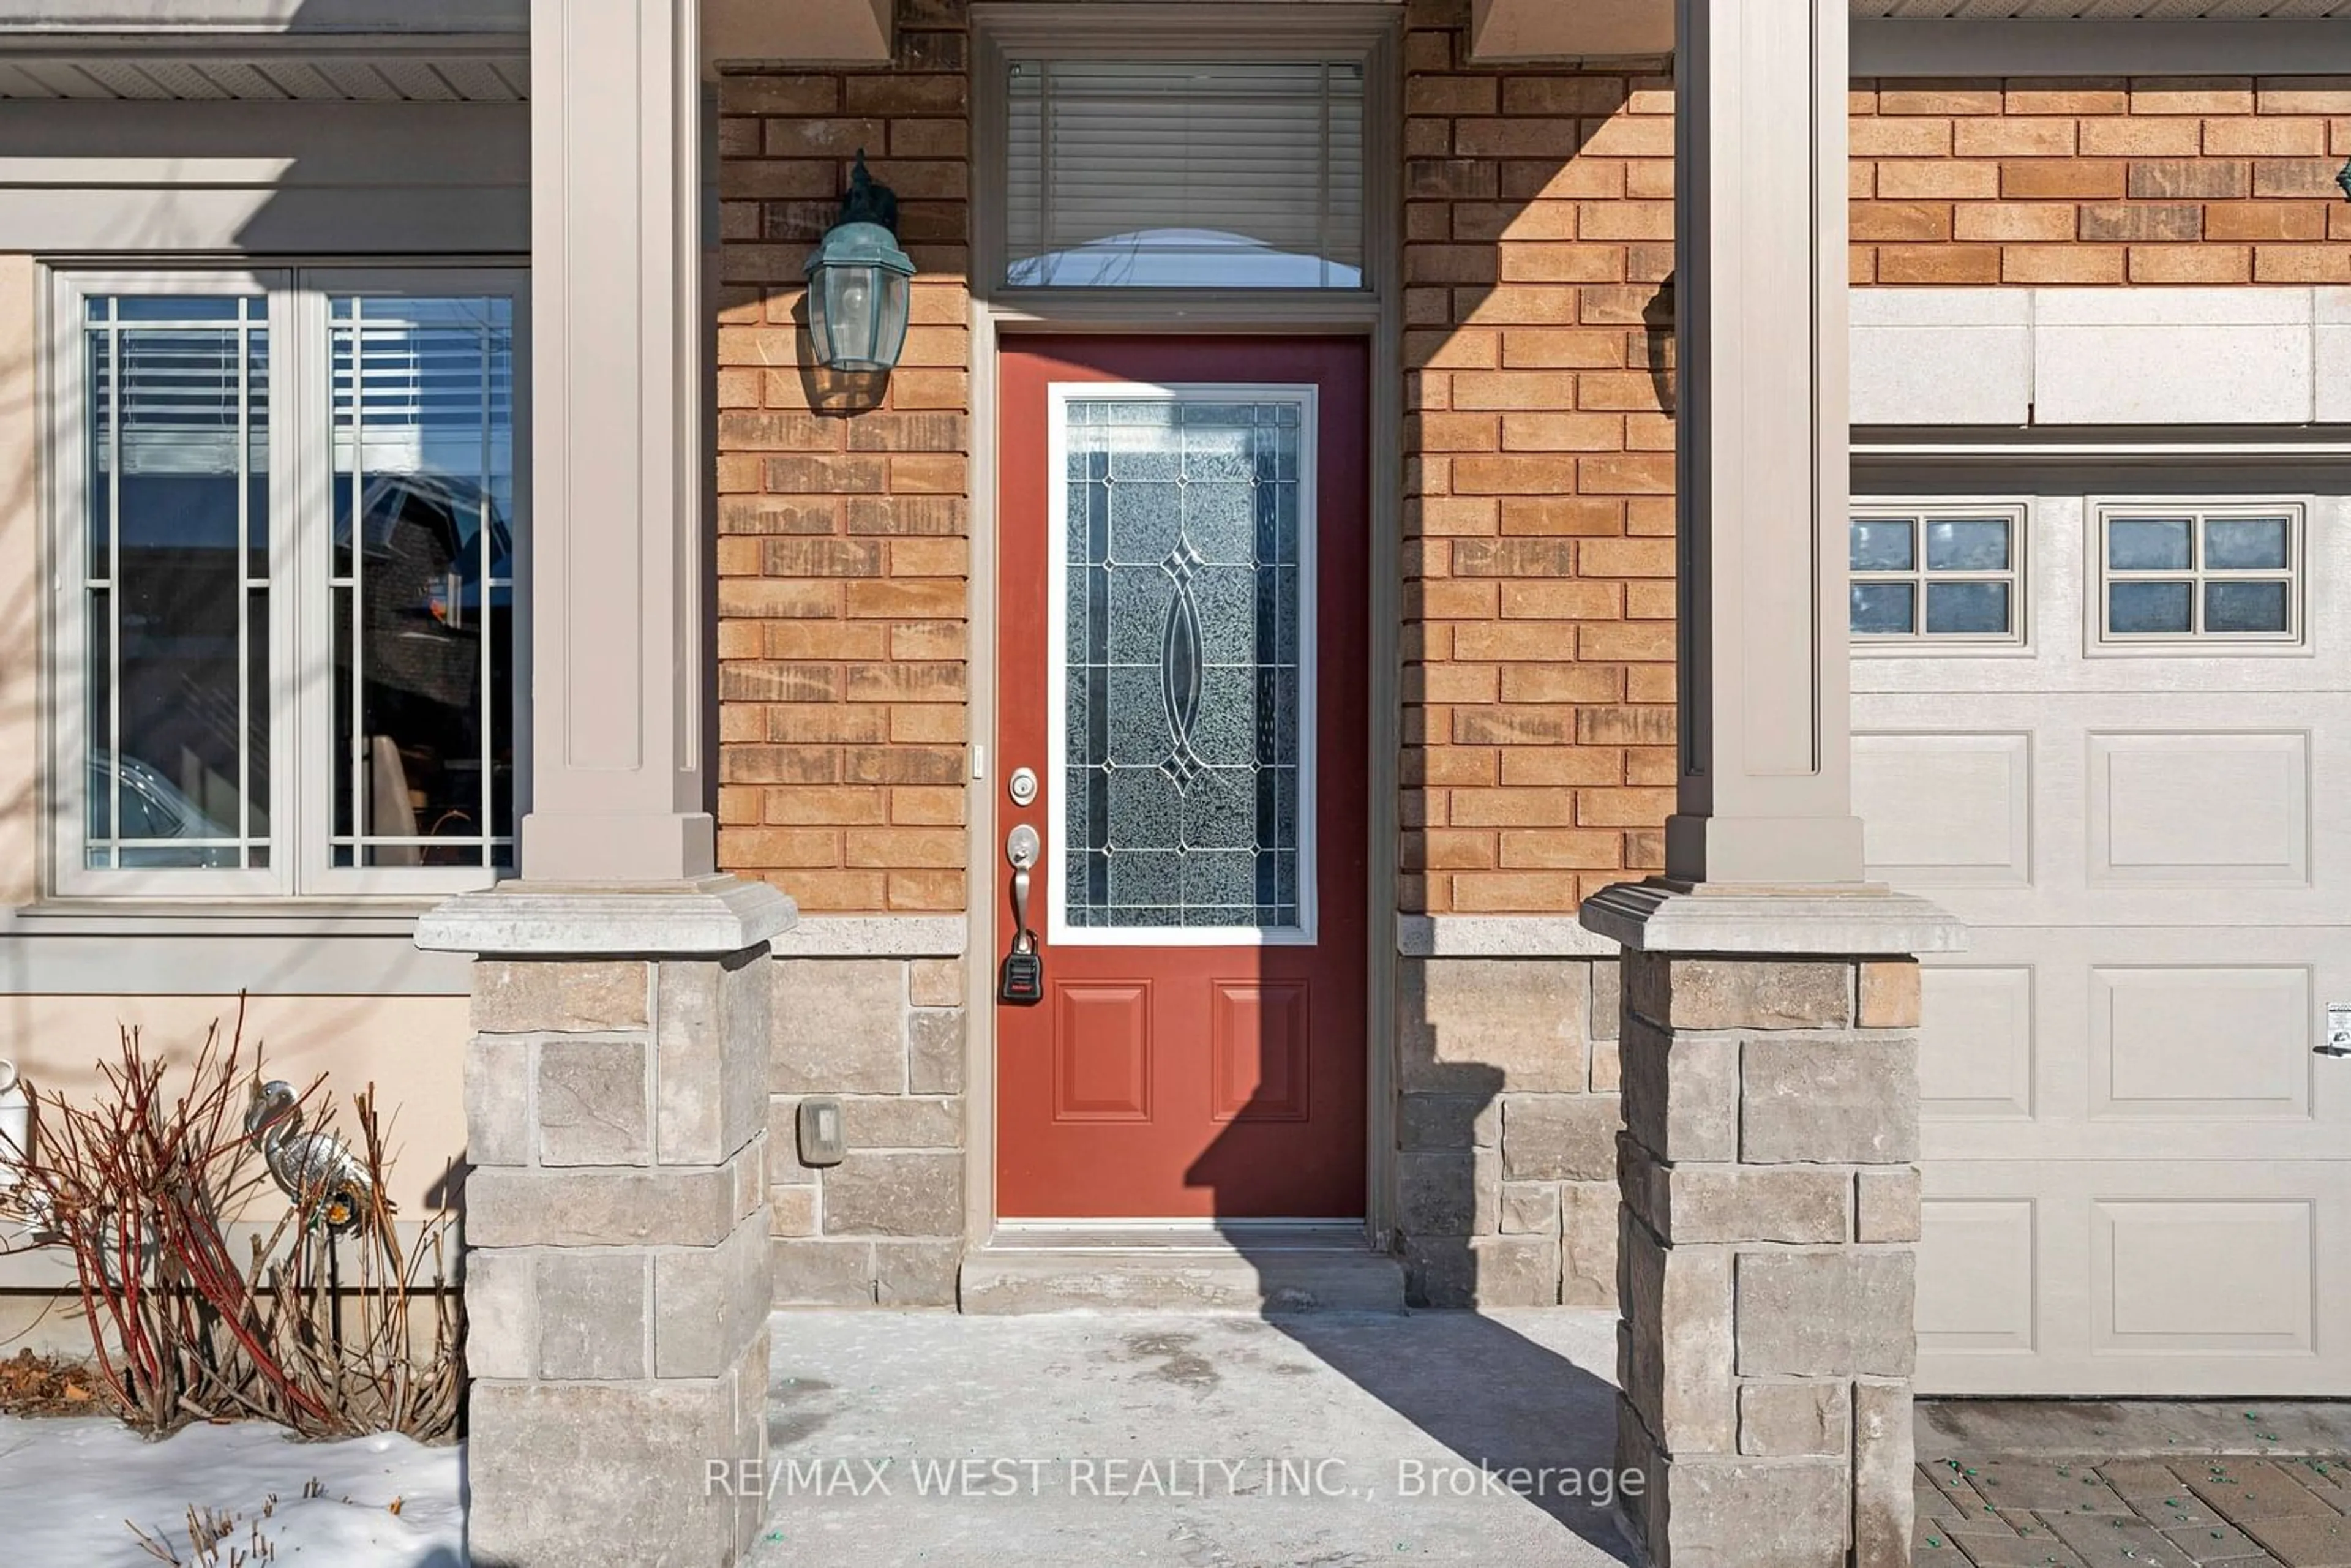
617 1272
620 464
1766 793
1770 996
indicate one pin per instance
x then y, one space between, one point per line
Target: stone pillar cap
1863 920
710 915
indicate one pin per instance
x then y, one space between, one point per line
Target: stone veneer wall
1507 1116
885 1226
2112 180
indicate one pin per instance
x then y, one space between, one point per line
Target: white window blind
1163 174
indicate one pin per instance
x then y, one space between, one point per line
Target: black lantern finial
859 280
867 202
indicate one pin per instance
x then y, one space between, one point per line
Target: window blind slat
1171 173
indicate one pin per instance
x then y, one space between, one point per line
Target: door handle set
1021 980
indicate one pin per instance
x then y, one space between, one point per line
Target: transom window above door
1167 173
286 660
1936 575
2201 574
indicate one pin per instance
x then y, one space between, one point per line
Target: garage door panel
2205 1042
1978 1277
2043 1044
2202 1277
1976 1055
1950 808
2146 1277
2189 809
2137 1174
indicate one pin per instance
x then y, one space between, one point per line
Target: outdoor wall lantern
859 280
2342 178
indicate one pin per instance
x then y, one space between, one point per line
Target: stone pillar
616 1264
1768 1046
1768 1223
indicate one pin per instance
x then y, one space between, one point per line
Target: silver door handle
1022 847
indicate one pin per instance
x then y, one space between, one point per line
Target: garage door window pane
1967 609
2140 609
2248 544
2229 574
1966 544
2147 544
1923 576
1883 608
2245 607
1882 546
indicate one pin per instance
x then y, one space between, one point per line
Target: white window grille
1938 575
2197 573
288 661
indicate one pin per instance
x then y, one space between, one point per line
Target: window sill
222 918
220 947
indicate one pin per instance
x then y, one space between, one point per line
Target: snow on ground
67 1486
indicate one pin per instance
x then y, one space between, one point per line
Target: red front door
1183 669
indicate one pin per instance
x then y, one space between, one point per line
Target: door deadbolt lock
1023 786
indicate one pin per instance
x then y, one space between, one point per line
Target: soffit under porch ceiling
2105 10
315 51
349 78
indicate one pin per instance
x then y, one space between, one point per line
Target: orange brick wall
1539 556
1537 560
2114 181
842 555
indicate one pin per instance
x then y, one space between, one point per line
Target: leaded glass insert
1187 590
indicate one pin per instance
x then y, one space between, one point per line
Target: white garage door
2104 717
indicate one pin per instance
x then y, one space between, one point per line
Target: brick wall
1539 561
2142 180
842 551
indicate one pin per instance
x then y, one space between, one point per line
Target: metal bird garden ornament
315 1170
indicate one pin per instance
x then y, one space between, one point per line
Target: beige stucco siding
412 1049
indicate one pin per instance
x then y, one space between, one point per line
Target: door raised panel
1102 1052
1258 1064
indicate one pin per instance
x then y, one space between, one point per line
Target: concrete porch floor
1160 1438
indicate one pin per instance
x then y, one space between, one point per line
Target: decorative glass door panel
1184 604
1182 667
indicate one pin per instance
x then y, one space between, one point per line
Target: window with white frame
2206 574
290 519
1938 574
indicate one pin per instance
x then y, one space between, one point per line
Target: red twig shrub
143 1187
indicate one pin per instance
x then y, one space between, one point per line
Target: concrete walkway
1201 1441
